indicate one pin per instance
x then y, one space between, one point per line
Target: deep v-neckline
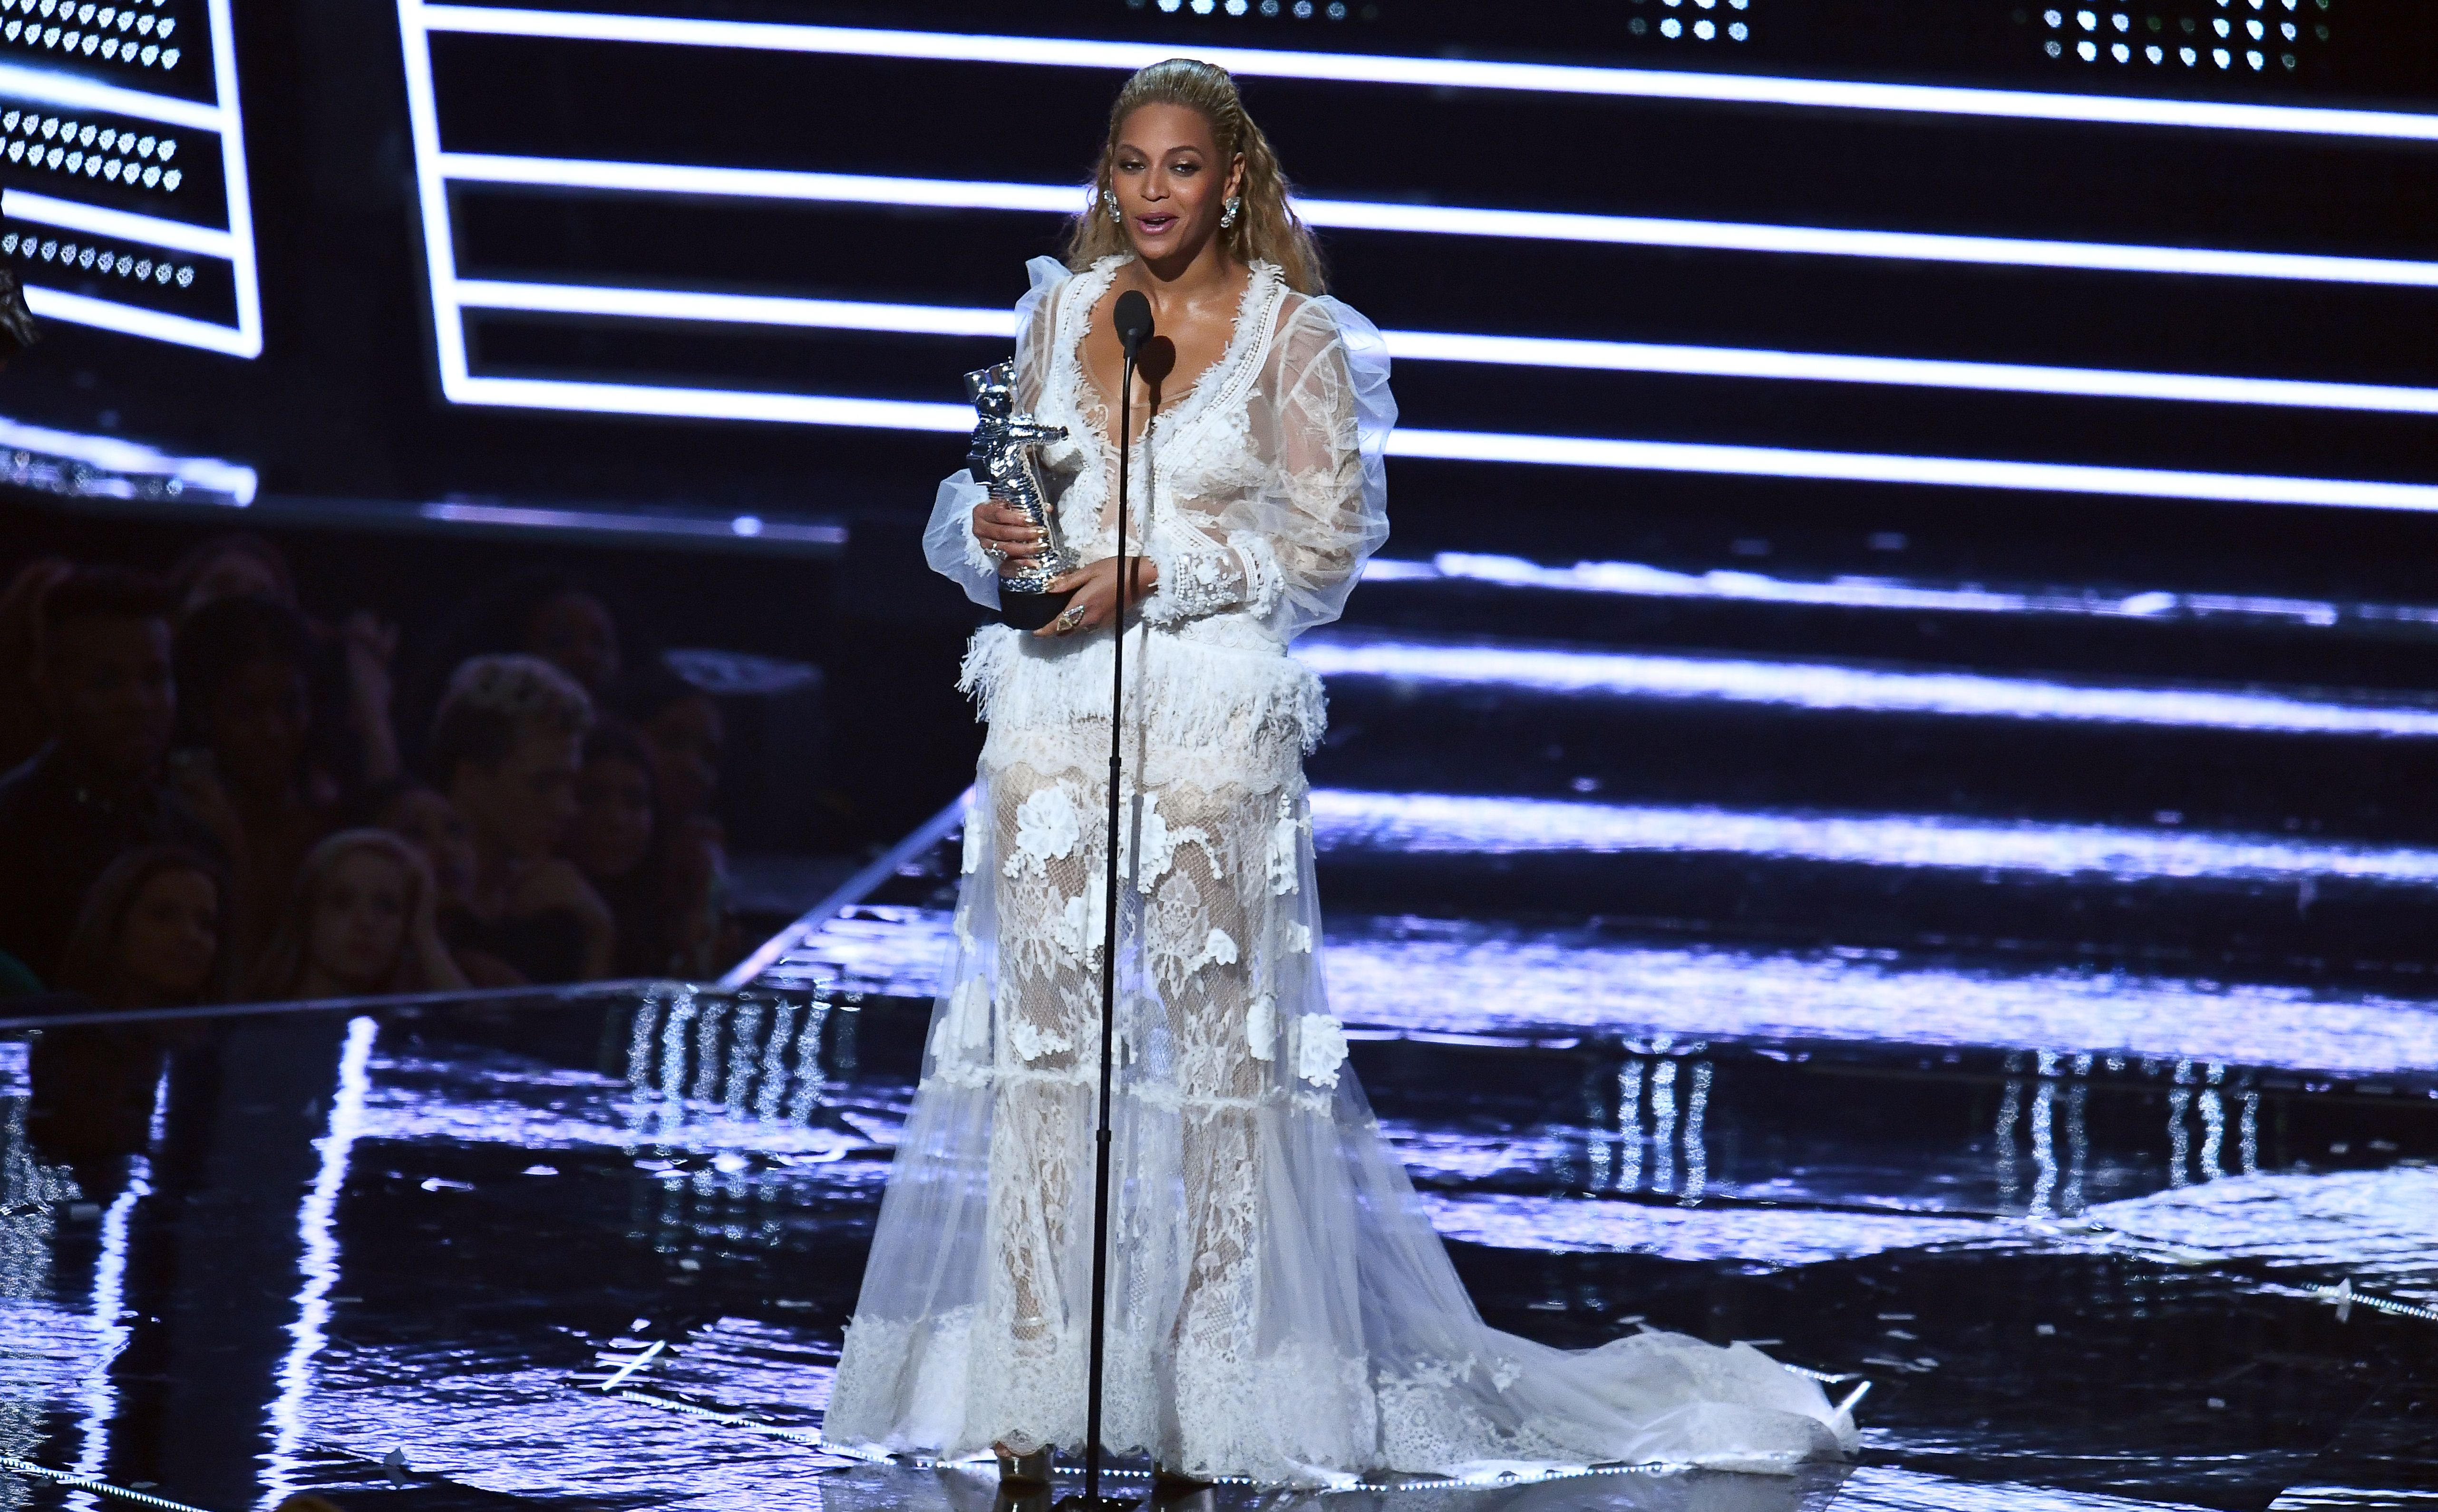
1239 327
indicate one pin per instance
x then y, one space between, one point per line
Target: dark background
343 405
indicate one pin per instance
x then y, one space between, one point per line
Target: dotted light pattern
125 34
2221 36
1301 10
1728 22
99 259
65 144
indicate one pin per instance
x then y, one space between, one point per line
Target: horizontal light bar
1517 351
1459 824
1642 580
69 91
118 455
72 215
707 404
1531 225
1827 686
1947 472
1437 73
133 319
740 527
1468 446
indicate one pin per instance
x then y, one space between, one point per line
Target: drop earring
1227 215
1110 200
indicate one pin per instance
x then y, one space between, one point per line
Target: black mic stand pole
1131 331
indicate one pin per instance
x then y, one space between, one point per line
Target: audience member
362 922
571 627
616 842
682 727
505 748
23 726
152 935
416 813
97 786
355 740
244 669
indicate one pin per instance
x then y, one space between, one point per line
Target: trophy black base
1030 611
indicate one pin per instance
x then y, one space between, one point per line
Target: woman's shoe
1022 1469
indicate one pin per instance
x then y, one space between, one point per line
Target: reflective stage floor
596 1252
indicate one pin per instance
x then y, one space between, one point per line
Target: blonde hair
1266 225
423 963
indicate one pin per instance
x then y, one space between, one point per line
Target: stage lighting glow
114 467
1446 73
654 178
1827 686
1464 824
47 89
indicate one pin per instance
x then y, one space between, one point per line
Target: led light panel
131 235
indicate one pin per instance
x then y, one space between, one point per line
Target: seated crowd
205 800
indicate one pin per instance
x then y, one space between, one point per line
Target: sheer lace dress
1280 1306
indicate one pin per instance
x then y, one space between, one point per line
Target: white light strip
114 454
1518 351
708 404
1531 225
72 215
69 91
66 91
1826 686
1446 823
1439 73
1949 472
317 1261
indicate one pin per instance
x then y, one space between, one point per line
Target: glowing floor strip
317 1231
1827 686
1531 225
1642 580
1457 824
68 92
1514 351
1435 73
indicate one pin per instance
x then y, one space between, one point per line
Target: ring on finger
1071 620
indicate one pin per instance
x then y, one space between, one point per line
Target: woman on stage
1279 1306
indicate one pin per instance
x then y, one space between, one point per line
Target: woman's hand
1095 603
1008 533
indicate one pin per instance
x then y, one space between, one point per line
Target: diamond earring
1227 215
1110 199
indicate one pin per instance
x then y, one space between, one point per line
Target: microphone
1133 319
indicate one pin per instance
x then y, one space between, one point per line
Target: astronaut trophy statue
1005 458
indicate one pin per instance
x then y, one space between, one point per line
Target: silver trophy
1005 458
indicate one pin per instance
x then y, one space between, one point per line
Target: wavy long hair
1266 225
423 963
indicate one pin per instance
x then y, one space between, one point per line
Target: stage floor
2093 1243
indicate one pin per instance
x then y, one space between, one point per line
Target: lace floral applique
1159 845
1193 584
1506 1375
1262 1027
966 1027
1286 850
1299 937
1218 948
1085 919
1320 1050
1047 829
973 851
1033 1042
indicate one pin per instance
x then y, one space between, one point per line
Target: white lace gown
1280 1307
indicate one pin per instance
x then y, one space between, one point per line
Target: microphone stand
1132 334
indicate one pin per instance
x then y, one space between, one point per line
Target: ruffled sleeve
948 542
1289 549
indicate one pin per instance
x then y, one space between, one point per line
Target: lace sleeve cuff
1241 575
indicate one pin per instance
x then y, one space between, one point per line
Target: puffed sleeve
948 542
1290 550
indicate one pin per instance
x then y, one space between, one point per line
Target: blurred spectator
682 728
244 669
355 740
24 727
97 788
152 935
506 747
616 841
571 629
361 921
416 813
577 625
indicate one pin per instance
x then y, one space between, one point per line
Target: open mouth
1152 225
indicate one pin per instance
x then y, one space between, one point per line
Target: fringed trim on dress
1196 696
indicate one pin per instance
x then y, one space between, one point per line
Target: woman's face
573 631
431 824
687 740
1171 182
359 921
613 820
172 938
258 725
